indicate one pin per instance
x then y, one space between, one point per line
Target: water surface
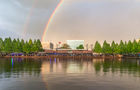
69 74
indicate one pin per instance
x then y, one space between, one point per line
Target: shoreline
80 56
51 56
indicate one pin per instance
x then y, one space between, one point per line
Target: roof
68 51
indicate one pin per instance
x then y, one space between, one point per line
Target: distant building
47 45
75 43
138 40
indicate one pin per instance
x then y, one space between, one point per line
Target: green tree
121 47
30 42
26 48
35 48
8 45
19 45
135 47
22 45
65 46
139 46
125 48
97 47
80 47
15 46
1 45
106 49
129 47
113 47
116 51
39 45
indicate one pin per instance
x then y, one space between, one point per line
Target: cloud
85 19
7 33
38 3
96 21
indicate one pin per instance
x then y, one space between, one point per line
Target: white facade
47 45
138 40
75 43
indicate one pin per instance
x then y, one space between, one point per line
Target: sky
88 20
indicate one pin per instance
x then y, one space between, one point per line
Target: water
69 74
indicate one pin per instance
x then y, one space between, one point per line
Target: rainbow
50 19
28 18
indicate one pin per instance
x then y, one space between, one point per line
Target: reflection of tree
97 66
124 66
73 65
29 66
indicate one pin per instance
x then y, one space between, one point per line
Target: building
138 40
75 43
47 45
67 52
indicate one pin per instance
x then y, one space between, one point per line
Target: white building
75 43
47 45
138 40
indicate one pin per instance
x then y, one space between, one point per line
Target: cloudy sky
89 20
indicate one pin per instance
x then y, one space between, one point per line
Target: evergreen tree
129 47
121 47
19 45
8 45
116 51
15 46
1 45
30 45
106 49
135 47
30 42
113 47
22 45
97 47
39 45
26 48
125 48
34 47
139 46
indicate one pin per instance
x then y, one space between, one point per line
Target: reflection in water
18 67
12 62
91 66
57 65
55 73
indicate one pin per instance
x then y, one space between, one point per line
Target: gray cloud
90 20
96 21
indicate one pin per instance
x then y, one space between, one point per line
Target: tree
113 47
121 47
135 47
1 45
15 46
39 45
139 46
30 45
129 47
35 47
22 45
65 46
97 47
106 49
19 45
125 47
80 47
26 48
8 45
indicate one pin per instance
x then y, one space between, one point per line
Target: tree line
130 47
16 45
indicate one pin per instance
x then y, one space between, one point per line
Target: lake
69 74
